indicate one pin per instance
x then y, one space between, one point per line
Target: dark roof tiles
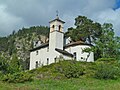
39 47
57 19
64 52
76 43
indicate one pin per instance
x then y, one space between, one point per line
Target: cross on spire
57 14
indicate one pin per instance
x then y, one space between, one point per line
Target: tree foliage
3 64
108 45
8 65
14 64
102 37
19 43
86 30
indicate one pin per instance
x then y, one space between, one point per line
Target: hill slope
55 77
19 43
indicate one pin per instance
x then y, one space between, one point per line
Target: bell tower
56 34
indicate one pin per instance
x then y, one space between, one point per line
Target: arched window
47 61
53 26
59 28
36 64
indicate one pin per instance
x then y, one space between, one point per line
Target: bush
1 75
70 69
19 77
106 71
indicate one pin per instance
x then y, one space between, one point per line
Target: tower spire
57 16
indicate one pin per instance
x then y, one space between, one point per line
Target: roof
76 43
59 50
39 47
64 52
57 19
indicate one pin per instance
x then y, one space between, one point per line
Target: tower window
59 27
53 26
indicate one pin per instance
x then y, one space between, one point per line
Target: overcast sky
15 14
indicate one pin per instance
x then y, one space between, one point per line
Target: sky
16 14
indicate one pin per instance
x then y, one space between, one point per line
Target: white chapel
58 47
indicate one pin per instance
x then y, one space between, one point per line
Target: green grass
52 77
66 84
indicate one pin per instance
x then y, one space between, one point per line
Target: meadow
67 75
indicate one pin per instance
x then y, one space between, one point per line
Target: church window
59 27
47 61
55 60
74 55
81 57
53 26
36 64
36 52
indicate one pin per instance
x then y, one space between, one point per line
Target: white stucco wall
43 55
80 55
56 40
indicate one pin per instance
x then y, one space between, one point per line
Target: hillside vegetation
19 43
67 75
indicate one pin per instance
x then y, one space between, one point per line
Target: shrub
17 77
1 75
70 69
106 71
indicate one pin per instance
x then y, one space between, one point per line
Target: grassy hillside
68 75
66 84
